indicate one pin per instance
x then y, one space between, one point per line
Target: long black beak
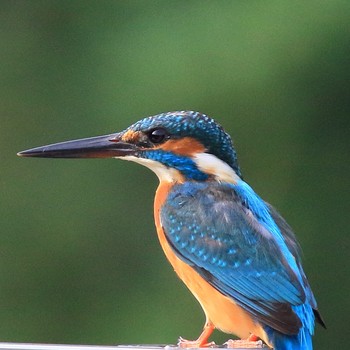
106 146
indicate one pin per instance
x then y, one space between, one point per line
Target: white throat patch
164 173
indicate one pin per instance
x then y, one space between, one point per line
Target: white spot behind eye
210 164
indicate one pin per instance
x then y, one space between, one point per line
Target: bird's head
177 146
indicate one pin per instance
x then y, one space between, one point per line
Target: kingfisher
234 251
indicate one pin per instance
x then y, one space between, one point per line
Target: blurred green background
80 261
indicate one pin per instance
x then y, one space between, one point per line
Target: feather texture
229 236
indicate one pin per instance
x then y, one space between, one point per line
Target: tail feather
289 342
300 341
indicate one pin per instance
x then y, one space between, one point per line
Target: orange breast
219 309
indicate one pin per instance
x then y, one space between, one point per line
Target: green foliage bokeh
80 261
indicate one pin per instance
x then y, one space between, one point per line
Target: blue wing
211 228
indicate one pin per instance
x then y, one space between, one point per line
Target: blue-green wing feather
213 230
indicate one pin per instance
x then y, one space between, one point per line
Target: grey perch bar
35 346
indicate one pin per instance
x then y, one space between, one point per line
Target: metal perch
34 346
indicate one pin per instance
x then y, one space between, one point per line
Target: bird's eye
158 135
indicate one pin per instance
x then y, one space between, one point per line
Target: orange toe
191 344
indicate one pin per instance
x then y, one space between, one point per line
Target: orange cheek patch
185 147
131 136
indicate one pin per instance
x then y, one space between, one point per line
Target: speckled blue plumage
232 238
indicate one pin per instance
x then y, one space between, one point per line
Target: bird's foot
202 341
188 344
252 342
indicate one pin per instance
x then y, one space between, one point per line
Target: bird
234 251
